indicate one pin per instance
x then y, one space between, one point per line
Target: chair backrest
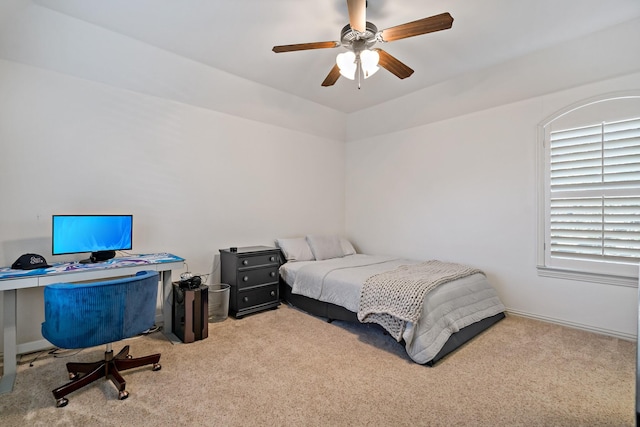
90 314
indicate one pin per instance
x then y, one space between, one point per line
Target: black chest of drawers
252 273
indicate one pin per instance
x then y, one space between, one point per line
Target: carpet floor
284 367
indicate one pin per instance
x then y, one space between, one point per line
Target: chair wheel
73 376
122 395
157 366
62 402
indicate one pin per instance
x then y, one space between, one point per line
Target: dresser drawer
252 272
258 276
257 296
257 260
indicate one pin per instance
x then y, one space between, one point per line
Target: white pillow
296 249
325 247
347 247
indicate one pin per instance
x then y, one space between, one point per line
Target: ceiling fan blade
390 63
357 15
332 77
444 21
305 46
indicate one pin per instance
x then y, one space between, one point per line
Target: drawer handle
272 274
245 262
245 299
245 279
273 293
272 259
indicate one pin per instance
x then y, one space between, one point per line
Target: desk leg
10 343
167 306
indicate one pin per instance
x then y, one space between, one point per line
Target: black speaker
190 313
193 282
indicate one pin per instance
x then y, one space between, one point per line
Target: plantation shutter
594 193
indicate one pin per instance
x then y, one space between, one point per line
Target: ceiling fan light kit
349 62
369 60
359 37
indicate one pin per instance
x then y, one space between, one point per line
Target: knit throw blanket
393 298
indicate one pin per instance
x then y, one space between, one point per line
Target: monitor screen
73 234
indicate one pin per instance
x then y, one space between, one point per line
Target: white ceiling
236 36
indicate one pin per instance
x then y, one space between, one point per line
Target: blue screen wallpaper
91 233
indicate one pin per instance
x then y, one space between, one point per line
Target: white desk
12 280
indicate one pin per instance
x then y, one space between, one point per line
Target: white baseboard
39 345
589 328
33 346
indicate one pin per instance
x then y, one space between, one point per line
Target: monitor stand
99 256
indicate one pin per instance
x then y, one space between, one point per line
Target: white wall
449 172
464 190
93 123
602 55
46 39
195 180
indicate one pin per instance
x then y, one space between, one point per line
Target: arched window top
589 190
604 108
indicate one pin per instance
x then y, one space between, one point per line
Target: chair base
82 374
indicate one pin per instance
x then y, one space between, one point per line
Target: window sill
605 279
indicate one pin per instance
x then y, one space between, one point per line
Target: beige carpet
284 367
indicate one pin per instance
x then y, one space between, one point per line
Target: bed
324 276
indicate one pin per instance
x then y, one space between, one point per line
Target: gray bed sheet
447 309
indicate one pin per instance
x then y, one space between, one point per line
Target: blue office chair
90 314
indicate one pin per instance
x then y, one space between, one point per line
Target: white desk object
12 280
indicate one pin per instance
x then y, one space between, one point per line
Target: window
590 210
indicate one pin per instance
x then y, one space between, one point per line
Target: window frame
623 274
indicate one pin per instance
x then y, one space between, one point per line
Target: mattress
447 309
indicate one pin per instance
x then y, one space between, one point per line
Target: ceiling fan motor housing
357 41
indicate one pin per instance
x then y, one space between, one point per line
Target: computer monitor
101 235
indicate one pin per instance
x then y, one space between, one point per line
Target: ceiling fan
359 38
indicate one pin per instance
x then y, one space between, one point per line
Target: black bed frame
334 312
